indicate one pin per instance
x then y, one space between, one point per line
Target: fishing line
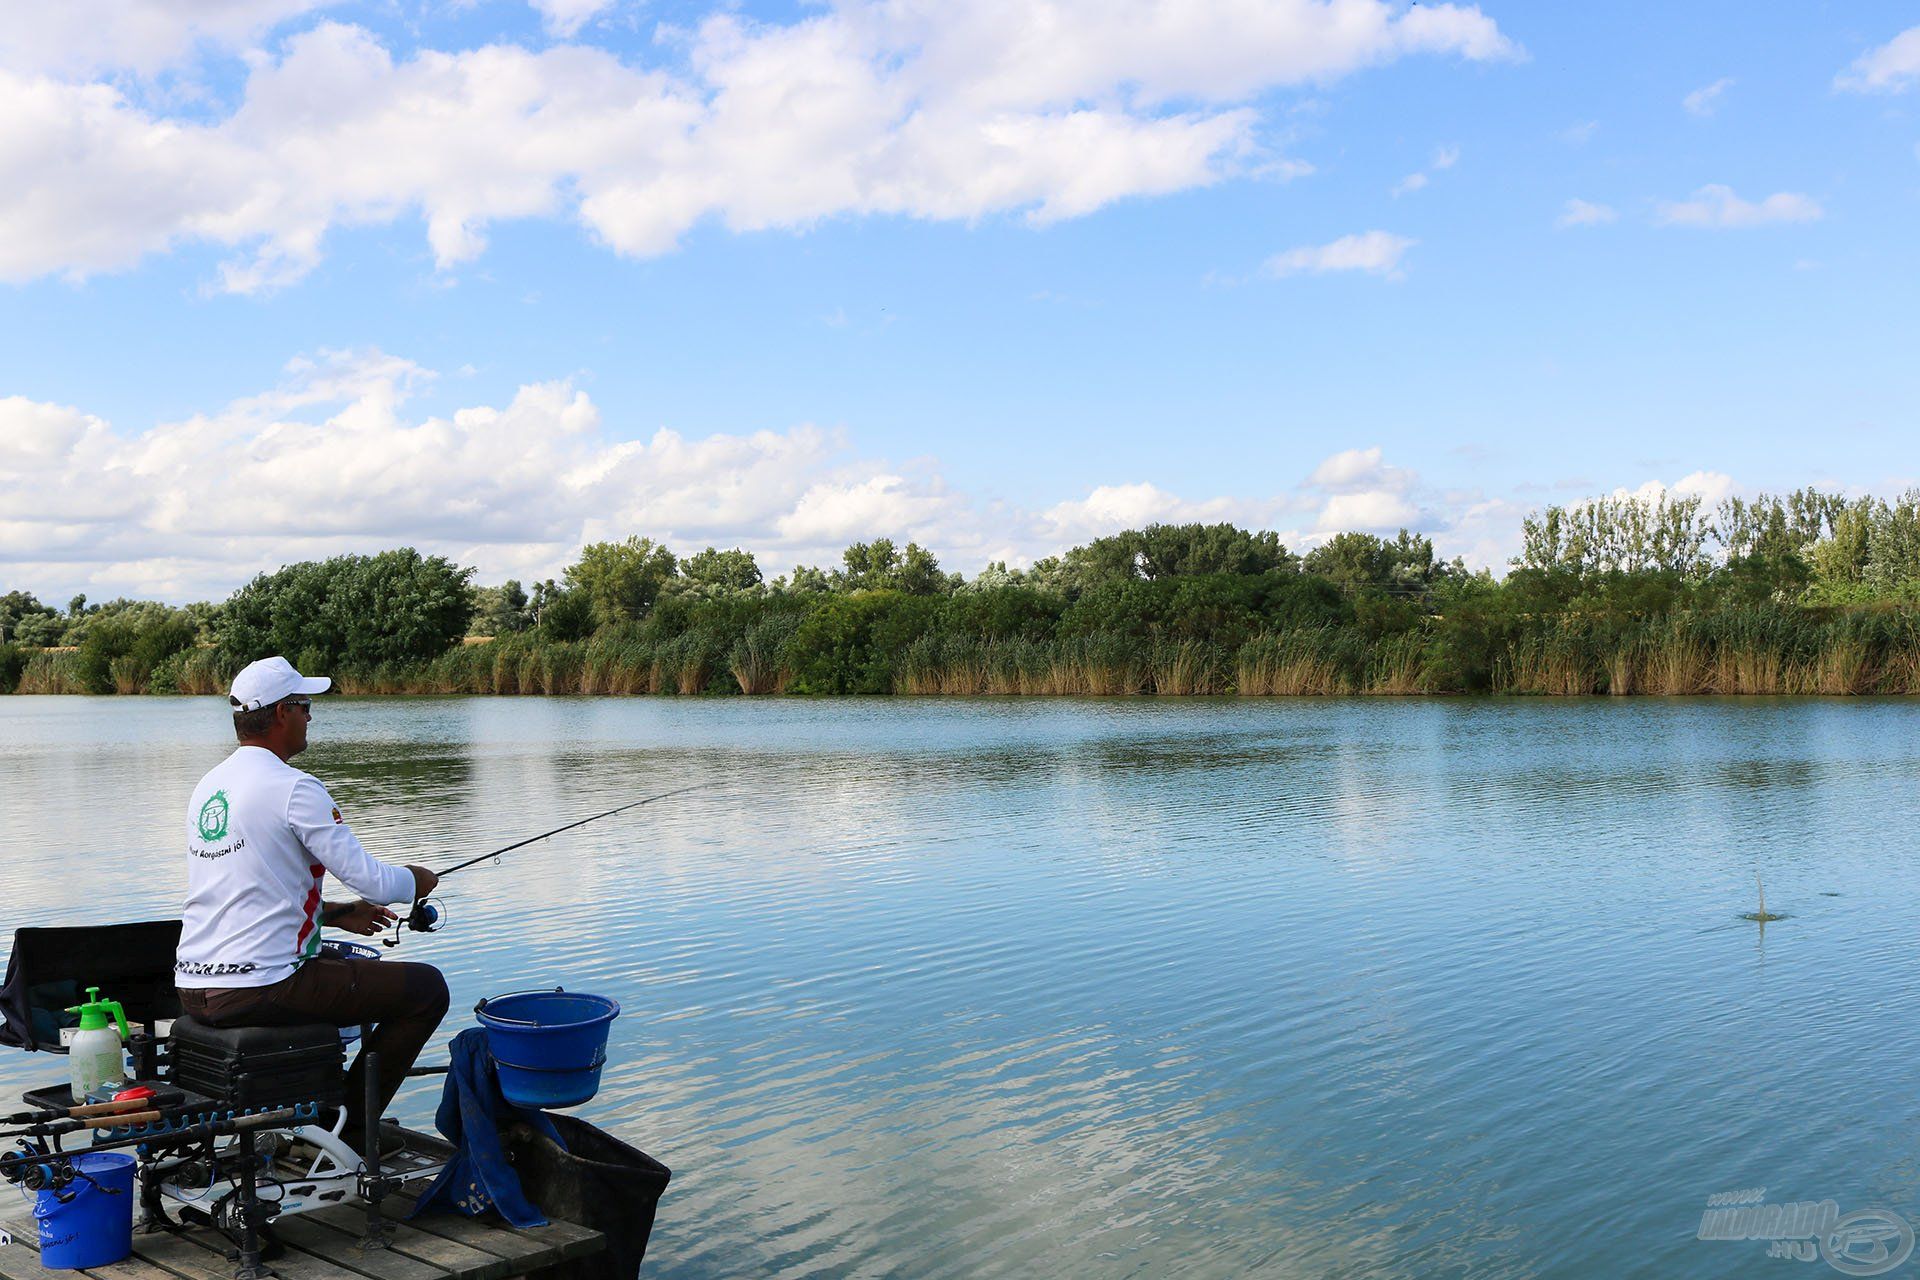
458 866
429 918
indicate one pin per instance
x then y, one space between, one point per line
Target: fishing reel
427 916
38 1169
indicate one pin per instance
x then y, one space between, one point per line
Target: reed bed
757 660
52 671
1102 665
1306 662
1743 651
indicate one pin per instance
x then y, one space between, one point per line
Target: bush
1224 609
120 651
849 644
350 612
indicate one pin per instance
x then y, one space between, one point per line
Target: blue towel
478 1177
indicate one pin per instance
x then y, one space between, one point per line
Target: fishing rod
459 866
425 917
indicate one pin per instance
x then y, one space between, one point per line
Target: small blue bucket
95 1225
548 1046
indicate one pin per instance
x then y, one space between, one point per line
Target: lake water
1135 988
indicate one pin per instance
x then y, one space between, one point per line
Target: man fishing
261 836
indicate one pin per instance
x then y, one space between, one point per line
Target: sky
282 279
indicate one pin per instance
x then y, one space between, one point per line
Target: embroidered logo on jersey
212 822
336 814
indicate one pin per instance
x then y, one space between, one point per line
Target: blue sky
302 278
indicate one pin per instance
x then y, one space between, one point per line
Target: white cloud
1443 159
1357 470
1579 135
1585 213
1717 207
1705 101
331 461
1370 512
1894 67
79 37
1110 508
1375 252
910 107
565 17
1364 493
1710 486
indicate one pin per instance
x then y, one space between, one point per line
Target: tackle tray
58 1097
259 1066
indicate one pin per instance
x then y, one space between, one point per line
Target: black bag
598 1182
50 970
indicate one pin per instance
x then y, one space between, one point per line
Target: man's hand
423 882
363 918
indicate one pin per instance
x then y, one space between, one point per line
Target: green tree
880 566
850 643
41 630
806 580
1162 551
122 646
622 579
353 611
17 607
1839 560
1225 608
501 611
1893 545
722 571
562 613
1627 533
1362 563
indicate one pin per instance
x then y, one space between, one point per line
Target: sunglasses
305 704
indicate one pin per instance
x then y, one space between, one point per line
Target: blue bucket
548 1046
95 1225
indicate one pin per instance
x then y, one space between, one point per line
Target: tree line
1802 592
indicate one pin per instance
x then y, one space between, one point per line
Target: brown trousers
397 1004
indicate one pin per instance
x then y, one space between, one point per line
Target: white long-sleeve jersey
261 836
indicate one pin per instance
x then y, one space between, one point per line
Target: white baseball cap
270 680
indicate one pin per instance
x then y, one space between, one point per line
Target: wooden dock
323 1246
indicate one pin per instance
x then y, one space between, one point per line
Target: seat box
259 1066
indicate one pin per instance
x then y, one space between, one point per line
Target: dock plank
519 1254
343 1251
175 1257
22 1260
450 1255
325 1246
24 1264
569 1240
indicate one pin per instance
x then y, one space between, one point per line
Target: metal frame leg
251 1268
379 1234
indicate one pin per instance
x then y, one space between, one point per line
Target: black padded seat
251 1067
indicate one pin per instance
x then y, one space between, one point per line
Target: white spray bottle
95 1056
